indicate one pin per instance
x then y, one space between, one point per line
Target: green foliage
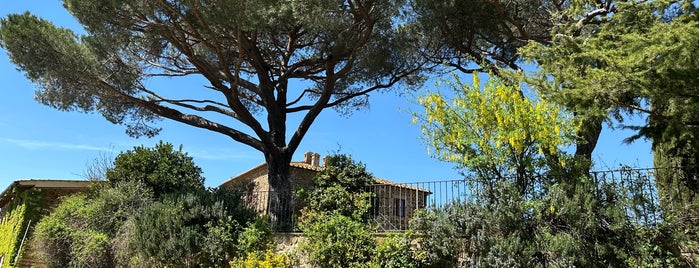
82 230
334 219
268 259
126 224
67 69
255 236
644 51
25 207
570 226
340 187
336 240
343 171
160 168
677 189
191 229
494 130
494 229
11 232
480 34
533 205
639 59
652 248
395 251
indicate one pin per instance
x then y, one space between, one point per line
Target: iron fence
636 188
394 204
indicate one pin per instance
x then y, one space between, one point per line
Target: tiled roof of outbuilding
25 184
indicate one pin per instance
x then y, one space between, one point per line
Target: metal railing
393 205
636 187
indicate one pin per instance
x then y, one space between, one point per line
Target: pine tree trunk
279 206
589 134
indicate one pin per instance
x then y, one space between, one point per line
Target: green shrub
395 252
256 259
11 232
91 249
67 238
82 230
334 219
255 236
568 226
187 230
340 187
154 212
161 169
14 223
336 240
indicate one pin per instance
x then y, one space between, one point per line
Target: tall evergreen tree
642 59
261 62
486 36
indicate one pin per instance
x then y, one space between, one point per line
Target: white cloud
38 144
197 153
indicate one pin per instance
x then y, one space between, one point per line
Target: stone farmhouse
393 204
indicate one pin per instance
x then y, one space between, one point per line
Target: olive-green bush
336 240
132 222
334 220
160 168
568 226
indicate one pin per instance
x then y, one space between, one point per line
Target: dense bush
123 226
160 168
336 240
255 236
82 230
396 251
334 220
126 224
567 226
340 187
197 229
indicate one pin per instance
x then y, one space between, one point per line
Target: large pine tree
261 61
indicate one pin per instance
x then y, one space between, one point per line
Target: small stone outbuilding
22 204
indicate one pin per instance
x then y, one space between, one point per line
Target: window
400 207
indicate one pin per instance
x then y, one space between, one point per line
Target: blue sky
37 141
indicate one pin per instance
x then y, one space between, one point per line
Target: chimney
325 160
315 159
307 157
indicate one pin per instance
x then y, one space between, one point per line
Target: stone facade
256 186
